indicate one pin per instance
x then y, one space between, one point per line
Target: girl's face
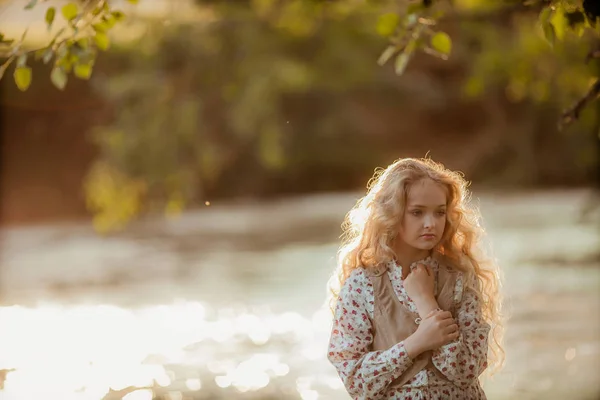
424 218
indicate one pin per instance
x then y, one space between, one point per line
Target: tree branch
573 113
592 55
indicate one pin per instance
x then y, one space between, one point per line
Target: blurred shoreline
170 250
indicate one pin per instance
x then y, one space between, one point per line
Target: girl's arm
365 374
463 360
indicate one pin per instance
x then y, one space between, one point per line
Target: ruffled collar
430 261
433 261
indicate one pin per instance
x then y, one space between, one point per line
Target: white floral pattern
368 374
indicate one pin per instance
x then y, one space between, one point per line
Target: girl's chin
425 246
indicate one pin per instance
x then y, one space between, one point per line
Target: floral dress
366 373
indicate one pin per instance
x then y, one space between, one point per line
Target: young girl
418 301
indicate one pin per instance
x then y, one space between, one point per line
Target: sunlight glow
84 352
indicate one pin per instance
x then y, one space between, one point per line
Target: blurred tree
195 100
194 114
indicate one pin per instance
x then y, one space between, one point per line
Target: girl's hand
433 332
419 285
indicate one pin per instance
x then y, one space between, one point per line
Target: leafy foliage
410 26
74 47
570 28
186 119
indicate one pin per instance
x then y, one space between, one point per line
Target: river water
227 302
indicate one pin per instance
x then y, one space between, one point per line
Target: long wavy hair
370 227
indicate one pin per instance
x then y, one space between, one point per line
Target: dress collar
430 261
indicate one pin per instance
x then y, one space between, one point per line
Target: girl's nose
428 221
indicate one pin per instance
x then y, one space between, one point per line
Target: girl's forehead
426 192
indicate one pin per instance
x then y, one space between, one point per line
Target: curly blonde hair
369 229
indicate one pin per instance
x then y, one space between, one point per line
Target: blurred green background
169 226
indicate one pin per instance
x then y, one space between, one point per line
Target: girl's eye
441 213
416 213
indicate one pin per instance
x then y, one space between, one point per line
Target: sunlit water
161 314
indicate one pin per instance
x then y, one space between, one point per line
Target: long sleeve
365 374
463 360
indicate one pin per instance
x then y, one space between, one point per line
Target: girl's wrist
426 306
413 346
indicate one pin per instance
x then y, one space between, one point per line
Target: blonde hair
370 227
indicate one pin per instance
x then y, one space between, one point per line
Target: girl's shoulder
358 277
355 288
367 272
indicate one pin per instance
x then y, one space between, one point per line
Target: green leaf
83 55
100 26
401 62
50 15
69 11
5 41
386 55
547 27
48 55
66 61
579 30
31 4
387 23
560 23
83 71
109 21
102 40
22 77
545 15
97 11
22 60
59 78
62 51
83 43
442 43
74 59
118 15
549 33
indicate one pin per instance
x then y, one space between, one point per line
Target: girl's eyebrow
421 206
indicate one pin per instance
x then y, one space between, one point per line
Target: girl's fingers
445 323
423 268
451 329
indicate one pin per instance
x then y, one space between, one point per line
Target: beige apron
393 322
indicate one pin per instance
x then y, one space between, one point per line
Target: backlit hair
369 229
